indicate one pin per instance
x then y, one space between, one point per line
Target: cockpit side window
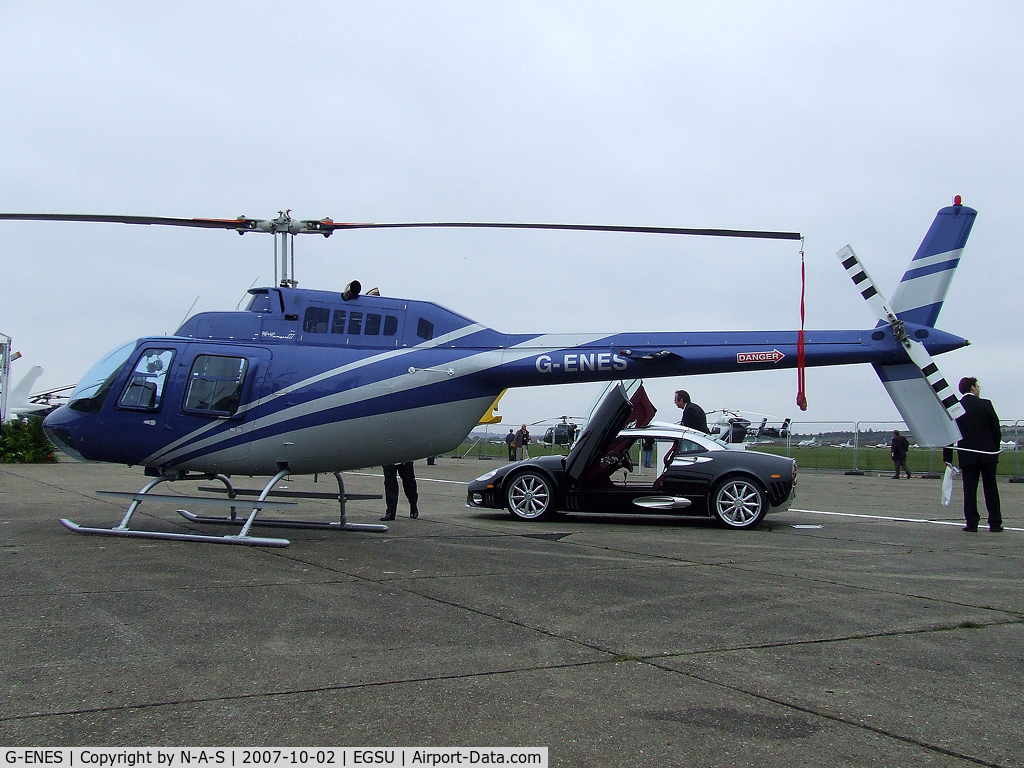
215 385
145 388
425 329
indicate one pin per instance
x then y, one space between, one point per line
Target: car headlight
485 478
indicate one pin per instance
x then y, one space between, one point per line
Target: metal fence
856 447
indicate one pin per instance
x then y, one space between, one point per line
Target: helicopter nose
60 428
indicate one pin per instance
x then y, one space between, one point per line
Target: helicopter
732 426
305 381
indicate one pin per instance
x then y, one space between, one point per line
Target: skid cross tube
342 523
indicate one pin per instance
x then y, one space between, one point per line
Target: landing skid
341 497
242 537
252 541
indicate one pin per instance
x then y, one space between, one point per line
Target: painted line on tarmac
893 519
418 479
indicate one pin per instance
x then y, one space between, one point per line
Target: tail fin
918 299
18 399
919 296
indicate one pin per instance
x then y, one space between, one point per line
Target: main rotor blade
762 234
241 223
284 223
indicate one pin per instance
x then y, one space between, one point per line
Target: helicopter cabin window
145 388
338 321
260 302
390 325
316 319
372 325
355 323
215 385
425 329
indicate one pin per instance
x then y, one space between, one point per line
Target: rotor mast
283 228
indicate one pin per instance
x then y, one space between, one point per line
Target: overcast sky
851 124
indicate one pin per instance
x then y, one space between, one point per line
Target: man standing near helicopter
520 442
391 474
693 415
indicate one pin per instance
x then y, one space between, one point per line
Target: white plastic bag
947 484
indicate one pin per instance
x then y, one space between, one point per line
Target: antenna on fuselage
239 304
188 312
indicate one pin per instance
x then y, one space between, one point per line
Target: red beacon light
957 200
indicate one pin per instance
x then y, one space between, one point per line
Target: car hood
616 410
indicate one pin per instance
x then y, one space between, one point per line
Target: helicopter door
144 410
218 386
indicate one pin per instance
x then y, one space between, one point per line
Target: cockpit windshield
93 387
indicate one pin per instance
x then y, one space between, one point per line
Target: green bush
23 442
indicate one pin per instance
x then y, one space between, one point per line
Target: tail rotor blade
876 301
920 357
916 351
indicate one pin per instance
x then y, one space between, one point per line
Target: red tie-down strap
801 395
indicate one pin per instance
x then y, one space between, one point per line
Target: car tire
530 496
739 502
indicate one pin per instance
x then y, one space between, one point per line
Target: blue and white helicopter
308 381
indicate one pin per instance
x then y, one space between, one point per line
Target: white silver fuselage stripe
922 291
466 366
937 258
446 338
472 364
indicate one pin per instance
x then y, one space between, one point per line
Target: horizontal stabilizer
915 399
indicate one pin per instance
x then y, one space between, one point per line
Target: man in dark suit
899 448
979 428
391 474
693 415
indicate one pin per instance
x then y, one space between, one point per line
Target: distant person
522 439
899 446
391 474
648 448
693 415
510 438
979 455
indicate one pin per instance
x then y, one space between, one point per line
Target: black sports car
691 473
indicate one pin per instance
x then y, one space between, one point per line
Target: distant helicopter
309 381
562 433
734 427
